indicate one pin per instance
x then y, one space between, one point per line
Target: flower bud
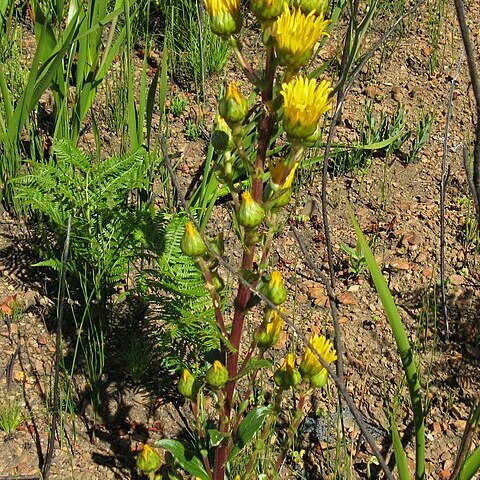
217 375
319 380
266 335
287 375
222 139
188 385
250 214
234 106
225 16
275 289
192 243
148 460
310 365
266 10
318 6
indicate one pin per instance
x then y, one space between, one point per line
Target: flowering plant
297 103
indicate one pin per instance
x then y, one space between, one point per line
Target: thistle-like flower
148 460
296 34
217 375
287 375
251 213
222 139
317 6
266 10
233 107
192 243
304 103
266 335
310 366
275 289
225 16
188 386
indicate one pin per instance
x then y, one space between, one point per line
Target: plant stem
244 294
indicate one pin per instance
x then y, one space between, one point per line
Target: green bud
222 139
275 289
266 335
217 375
266 10
319 380
318 6
287 375
192 243
225 24
251 214
148 460
233 107
188 386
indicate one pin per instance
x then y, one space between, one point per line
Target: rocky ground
397 203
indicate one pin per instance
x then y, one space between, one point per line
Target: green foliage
93 192
192 130
103 231
136 356
179 292
10 416
177 105
194 53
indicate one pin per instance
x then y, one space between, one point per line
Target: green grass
11 416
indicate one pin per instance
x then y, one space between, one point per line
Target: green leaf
217 437
248 428
400 457
471 465
186 459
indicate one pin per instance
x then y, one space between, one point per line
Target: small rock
460 425
400 265
421 258
42 339
347 298
456 279
445 474
437 427
427 272
372 92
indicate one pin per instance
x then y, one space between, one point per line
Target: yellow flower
310 366
192 243
304 103
281 177
287 375
250 213
275 289
266 335
234 106
296 34
225 16
148 461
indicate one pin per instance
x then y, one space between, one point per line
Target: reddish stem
244 294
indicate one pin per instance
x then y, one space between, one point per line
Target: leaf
187 460
217 437
400 457
248 428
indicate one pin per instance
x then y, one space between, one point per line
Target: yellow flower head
310 366
304 102
296 34
225 17
274 325
148 461
233 107
287 375
281 177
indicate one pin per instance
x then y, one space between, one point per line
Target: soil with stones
397 204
